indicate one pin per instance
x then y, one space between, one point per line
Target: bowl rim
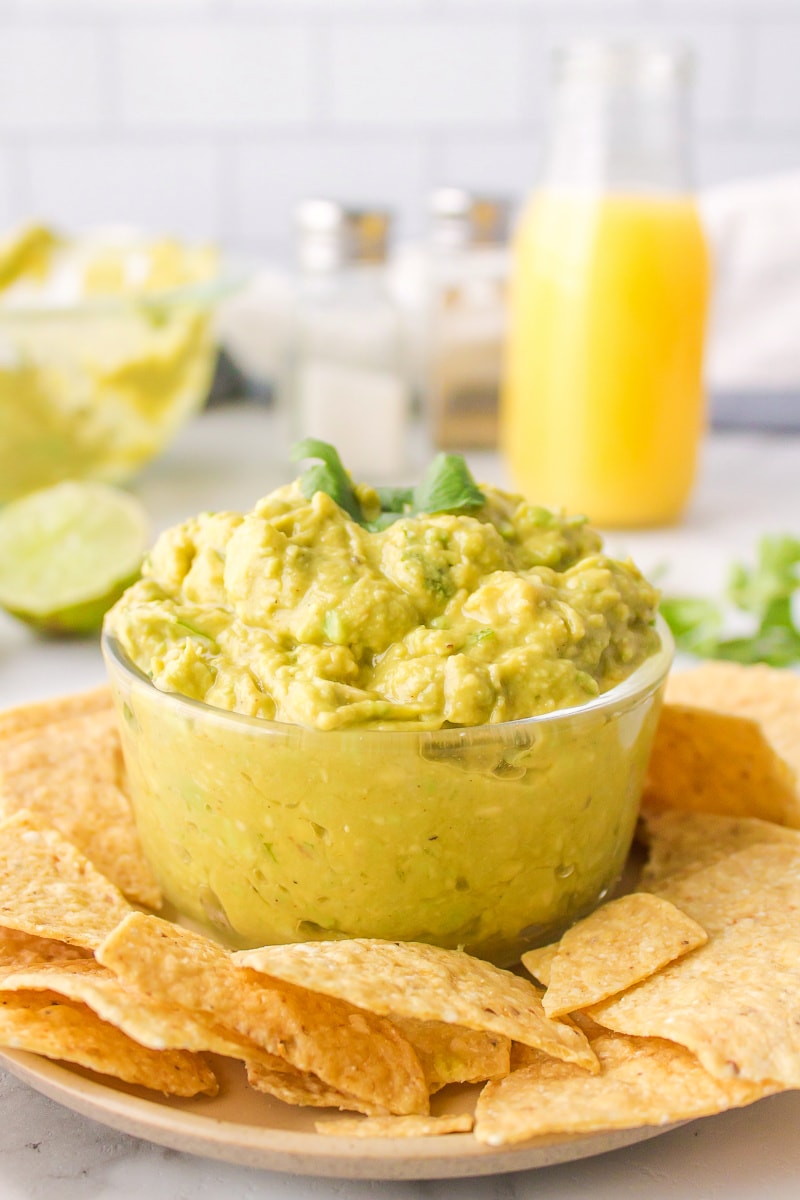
201 293
646 679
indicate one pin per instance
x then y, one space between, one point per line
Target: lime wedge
67 553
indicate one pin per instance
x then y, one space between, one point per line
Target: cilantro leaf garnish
766 592
446 487
328 475
695 623
395 500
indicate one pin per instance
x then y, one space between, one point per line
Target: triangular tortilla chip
412 979
48 888
161 1026
393 1127
25 951
681 842
729 742
615 947
354 1052
642 1081
303 1089
26 717
69 772
734 1002
45 1023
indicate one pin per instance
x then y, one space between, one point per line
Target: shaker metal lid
460 218
332 234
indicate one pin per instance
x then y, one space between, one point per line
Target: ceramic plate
245 1127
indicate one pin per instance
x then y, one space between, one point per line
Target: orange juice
603 407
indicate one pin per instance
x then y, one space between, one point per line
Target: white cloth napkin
753 227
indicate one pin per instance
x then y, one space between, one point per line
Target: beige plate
244 1127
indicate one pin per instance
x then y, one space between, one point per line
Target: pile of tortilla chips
674 1001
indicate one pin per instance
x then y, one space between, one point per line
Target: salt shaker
348 380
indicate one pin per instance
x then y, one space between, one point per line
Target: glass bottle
465 317
348 381
603 406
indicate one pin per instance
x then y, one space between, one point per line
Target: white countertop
750 484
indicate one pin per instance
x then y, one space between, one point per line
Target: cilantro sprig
446 487
328 475
767 592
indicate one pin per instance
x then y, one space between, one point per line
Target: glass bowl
491 838
97 387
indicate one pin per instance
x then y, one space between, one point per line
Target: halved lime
67 553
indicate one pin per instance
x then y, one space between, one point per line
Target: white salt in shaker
348 380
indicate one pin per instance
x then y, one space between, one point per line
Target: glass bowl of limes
106 348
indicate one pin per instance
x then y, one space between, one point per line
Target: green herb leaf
396 499
328 476
776 647
447 486
766 591
695 623
383 521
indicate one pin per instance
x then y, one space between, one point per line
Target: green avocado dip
356 756
297 612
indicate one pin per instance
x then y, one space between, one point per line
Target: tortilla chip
391 1127
734 1002
642 1081
303 1089
453 1054
24 951
681 842
411 979
48 888
47 712
768 695
46 1024
526 1056
615 947
539 962
765 695
704 761
354 1052
159 1026
70 774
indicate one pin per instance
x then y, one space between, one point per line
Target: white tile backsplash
427 75
221 76
9 214
215 116
162 186
497 165
746 155
271 176
776 83
51 79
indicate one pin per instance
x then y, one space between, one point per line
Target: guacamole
297 613
382 781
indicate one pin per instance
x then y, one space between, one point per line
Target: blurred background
213 121
213 117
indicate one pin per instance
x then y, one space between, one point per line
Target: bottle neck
620 122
